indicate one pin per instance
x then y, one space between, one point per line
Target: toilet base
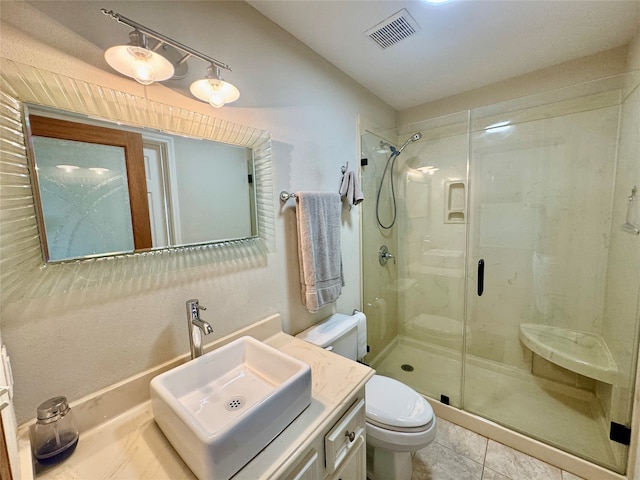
383 464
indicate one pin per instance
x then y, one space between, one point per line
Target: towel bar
284 196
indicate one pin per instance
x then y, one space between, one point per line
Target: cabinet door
341 439
355 466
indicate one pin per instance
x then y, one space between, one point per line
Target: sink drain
406 367
236 403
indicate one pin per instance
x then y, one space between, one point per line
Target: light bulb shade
214 90
139 63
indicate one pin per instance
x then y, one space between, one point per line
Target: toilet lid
394 404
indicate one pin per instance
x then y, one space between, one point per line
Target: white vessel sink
219 410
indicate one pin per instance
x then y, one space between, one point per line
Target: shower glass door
415 302
380 285
550 350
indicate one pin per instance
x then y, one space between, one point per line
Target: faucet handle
194 302
193 306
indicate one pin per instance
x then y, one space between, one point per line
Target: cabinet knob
350 435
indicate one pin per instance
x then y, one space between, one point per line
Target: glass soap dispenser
55 434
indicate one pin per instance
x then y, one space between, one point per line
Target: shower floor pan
581 352
559 415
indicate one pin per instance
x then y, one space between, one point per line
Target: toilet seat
394 428
400 441
392 405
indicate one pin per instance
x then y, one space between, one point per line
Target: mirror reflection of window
84 200
94 213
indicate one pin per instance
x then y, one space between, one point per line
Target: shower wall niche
455 205
548 346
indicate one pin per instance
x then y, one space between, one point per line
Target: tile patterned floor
459 454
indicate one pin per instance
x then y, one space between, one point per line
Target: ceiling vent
395 28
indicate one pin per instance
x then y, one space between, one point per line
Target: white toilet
399 420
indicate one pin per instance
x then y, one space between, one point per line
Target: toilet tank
337 333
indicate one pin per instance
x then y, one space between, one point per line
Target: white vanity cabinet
325 442
339 452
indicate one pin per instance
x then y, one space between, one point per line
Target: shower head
413 138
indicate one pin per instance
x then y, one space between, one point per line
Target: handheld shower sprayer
413 138
395 153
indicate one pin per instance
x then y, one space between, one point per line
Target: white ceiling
461 45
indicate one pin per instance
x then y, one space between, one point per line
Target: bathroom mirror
103 188
25 274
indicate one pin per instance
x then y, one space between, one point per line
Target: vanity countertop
129 445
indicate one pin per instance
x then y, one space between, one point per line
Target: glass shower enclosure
513 288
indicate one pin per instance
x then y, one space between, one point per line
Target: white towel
350 189
320 259
362 333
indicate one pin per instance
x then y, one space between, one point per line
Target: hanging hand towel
350 189
321 276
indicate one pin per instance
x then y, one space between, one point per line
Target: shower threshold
581 352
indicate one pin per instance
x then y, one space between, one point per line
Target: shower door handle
480 277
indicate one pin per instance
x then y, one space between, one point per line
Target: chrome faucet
193 320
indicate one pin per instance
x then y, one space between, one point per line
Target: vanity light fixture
137 61
213 89
147 65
